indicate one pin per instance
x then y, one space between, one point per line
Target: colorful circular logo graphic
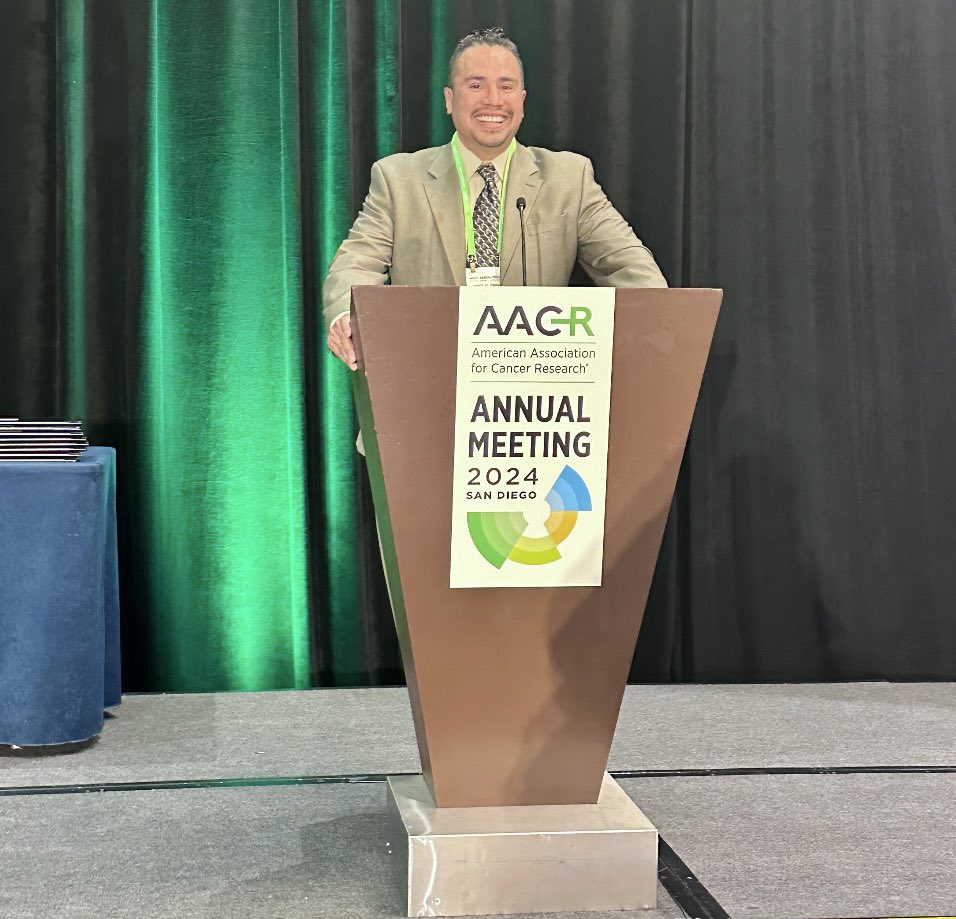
499 535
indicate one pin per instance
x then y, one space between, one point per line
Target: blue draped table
59 599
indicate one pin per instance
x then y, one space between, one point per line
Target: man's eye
475 86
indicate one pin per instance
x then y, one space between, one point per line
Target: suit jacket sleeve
365 257
607 247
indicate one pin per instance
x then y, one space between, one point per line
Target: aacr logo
547 321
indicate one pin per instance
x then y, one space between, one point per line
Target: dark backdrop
797 155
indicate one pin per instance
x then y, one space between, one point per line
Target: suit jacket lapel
444 199
524 181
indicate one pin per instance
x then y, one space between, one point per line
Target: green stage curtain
222 469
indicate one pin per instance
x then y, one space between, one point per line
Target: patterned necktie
486 219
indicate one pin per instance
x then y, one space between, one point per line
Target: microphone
521 205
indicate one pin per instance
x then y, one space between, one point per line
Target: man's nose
492 94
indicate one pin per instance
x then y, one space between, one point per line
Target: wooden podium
516 692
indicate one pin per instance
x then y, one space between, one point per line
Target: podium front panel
516 691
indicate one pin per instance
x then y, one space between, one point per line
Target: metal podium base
465 861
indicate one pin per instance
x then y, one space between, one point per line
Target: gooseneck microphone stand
521 204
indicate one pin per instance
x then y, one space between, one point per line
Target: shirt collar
471 162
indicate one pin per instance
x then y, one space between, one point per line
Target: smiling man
448 215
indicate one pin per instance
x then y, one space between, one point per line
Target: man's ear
449 95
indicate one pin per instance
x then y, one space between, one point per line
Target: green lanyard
466 198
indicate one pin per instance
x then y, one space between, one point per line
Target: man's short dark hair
494 37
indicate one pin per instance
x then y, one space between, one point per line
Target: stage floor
783 801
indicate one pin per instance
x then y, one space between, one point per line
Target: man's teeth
492 119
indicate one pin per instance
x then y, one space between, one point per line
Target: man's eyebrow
478 76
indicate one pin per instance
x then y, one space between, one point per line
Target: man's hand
340 341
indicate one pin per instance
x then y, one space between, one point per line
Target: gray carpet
770 847
328 732
783 847
248 853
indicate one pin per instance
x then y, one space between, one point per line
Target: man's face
486 99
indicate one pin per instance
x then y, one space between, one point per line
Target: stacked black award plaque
41 441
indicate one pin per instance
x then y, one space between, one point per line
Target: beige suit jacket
411 229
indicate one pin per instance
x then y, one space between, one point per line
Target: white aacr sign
531 422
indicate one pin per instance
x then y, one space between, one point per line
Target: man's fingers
339 347
340 342
345 339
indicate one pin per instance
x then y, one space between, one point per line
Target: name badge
482 277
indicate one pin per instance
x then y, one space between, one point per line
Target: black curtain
819 480
35 325
799 156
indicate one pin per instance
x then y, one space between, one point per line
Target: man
447 215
